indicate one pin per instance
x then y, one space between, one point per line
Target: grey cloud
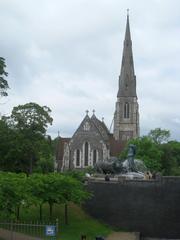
67 55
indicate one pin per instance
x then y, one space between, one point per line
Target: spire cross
87 112
102 119
128 12
93 111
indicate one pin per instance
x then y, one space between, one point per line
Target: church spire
127 78
126 116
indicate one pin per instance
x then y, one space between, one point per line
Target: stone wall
150 207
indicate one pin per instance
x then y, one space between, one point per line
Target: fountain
130 168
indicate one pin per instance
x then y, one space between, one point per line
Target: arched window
86 153
94 156
77 157
126 110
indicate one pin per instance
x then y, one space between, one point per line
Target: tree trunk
50 210
40 212
66 213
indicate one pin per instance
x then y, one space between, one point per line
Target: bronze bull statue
112 166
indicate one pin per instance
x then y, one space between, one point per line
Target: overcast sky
66 54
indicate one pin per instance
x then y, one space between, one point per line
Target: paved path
6 235
123 236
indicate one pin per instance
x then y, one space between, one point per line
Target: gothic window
86 126
94 156
86 153
126 110
77 157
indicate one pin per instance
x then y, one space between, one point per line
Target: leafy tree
13 193
148 151
31 117
72 190
55 188
171 158
159 135
38 190
45 165
78 175
3 82
5 140
47 189
30 122
45 162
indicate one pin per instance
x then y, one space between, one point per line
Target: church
92 141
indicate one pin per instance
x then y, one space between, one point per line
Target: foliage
157 153
12 193
18 190
171 158
38 189
147 151
26 141
31 117
159 135
79 175
3 82
45 162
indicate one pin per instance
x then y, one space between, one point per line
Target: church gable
101 127
87 145
87 131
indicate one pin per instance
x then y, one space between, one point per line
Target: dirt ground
123 236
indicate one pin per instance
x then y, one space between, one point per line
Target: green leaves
32 117
159 135
157 152
13 193
38 189
24 138
3 83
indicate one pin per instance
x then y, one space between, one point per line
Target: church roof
100 125
60 146
97 124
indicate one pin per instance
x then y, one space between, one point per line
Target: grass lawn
79 222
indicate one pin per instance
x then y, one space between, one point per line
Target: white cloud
67 54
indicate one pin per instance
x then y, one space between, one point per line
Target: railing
10 230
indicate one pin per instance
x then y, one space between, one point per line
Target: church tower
126 116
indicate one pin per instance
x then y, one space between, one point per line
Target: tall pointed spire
126 116
127 78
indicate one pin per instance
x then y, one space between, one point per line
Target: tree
170 158
45 162
3 82
38 190
13 193
72 190
159 135
31 117
30 122
148 151
55 188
